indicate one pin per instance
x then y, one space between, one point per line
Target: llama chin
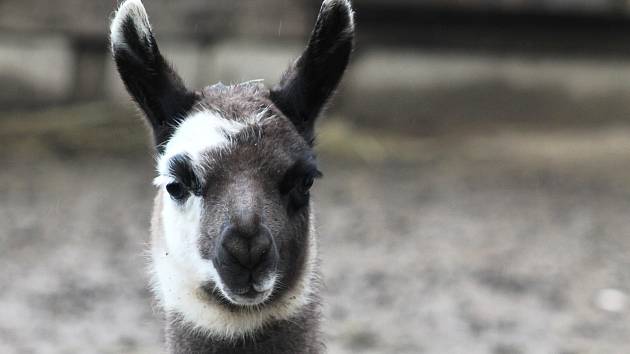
234 250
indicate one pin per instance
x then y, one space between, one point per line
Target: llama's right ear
150 80
312 79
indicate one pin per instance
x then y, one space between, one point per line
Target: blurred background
476 159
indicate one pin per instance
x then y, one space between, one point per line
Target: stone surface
611 300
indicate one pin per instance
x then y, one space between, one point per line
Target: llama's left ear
311 80
150 80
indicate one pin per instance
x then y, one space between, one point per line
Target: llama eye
307 183
176 190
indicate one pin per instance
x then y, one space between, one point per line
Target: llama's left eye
176 190
307 183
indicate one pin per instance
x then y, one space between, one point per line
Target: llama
233 247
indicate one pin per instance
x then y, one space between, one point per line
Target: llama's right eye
176 190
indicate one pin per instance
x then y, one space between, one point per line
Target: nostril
261 247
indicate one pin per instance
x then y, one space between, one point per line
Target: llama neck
300 334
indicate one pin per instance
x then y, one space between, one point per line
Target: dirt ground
508 241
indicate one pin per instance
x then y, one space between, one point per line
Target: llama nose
246 243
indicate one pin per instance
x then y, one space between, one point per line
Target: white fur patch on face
134 10
200 132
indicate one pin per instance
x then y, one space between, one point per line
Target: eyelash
306 183
297 189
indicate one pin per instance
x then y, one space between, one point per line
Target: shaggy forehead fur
239 102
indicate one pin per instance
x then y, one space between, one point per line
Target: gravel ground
514 241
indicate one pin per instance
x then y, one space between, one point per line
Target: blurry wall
54 52
500 59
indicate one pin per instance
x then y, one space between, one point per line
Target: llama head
235 165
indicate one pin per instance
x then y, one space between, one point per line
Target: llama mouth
248 296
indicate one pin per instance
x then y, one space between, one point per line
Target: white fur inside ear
327 4
134 10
